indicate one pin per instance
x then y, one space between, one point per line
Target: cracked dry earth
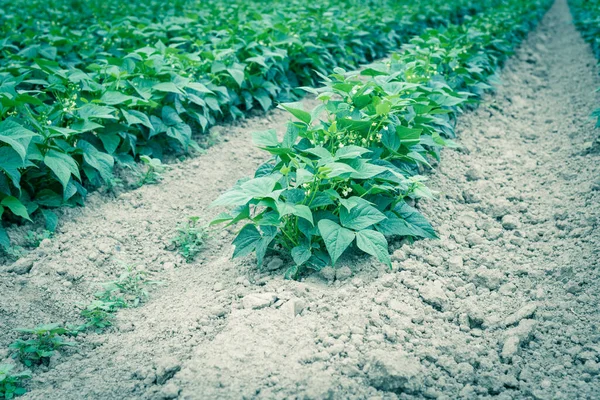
504 305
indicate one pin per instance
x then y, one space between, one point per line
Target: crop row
586 15
348 172
86 86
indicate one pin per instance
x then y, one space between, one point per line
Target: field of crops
327 200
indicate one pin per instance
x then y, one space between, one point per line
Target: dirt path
504 305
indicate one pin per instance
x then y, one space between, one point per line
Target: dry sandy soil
504 305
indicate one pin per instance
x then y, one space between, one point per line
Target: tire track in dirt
505 304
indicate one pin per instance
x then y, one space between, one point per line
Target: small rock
218 286
93 256
257 301
343 273
510 222
433 294
21 266
274 264
524 312
398 256
328 273
511 347
166 368
394 371
46 243
473 174
169 391
489 278
294 306
104 248
591 367
169 265
474 239
455 263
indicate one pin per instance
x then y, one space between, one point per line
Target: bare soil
504 305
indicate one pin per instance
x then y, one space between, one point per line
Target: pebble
510 222
393 371
257 301
343 273
294 306
218 286
524 312
328 273
274 264
433 294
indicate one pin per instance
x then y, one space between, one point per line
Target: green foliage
153 170
99 315
11 383
85 86
43 341
190 238
586 15
345 173
130 289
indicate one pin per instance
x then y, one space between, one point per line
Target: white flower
341 145
385 128
49 122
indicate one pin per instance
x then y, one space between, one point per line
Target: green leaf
4 239
100 161
375 244
360 217
301 254
237 75
246 241
297 112
51 219
291 272
16 136
63 166
408 136
406 221
336 238
10 162
390 139
112 98
15 205
136 117
298 210
260 187
168 87
266 138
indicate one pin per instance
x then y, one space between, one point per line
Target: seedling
99 315
11 384
154 168
129 290
44 341
190 238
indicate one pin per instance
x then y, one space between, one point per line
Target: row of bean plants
87 85
346 173
586 15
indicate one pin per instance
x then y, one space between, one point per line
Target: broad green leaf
10 162
406 221
390 138
301 254
298 210
266 138
15 205
100 161
408 136
336 238
16 136
168 87
246 241
136 117
63 166
112 98
297 112
237 75
348 152
375 244
233 197
260 187
51 219
360 217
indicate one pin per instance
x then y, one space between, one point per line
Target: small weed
190 238
44 341
129 290
153 170
11 383
33 239
99 315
